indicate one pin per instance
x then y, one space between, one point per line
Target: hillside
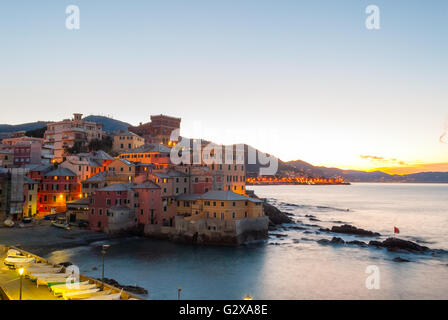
7 128
363 176
110 125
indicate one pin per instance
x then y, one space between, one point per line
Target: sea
292 264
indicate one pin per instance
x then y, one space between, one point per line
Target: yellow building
157 154
122 168
222 205
6 159
125 141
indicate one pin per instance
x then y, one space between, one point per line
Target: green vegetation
36 133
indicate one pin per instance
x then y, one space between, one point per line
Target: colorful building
156 154
27 152
158 130
123 168
69 132
56 189
30 197
148 203
125 141
222 205
103 200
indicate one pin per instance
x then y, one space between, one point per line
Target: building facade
125 141
65 134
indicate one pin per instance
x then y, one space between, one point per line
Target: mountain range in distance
109 125
297 167
361 176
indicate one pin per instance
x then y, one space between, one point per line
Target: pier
10 282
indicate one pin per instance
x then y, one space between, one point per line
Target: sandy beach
43 238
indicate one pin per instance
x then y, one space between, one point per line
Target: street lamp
103 251
179 289
21 277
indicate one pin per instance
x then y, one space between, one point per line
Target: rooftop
146 185
118 187
154 147
61 172
170 173
226 196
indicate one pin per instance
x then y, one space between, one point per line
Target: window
222 204
101 212
234 203
233 215
222 215
245 214
93 211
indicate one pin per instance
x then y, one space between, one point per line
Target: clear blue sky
299 79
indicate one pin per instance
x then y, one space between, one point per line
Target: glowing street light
247 297
21 270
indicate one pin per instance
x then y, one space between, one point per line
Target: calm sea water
296 266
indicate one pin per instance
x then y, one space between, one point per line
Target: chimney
77 116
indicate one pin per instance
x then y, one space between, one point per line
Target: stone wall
212 231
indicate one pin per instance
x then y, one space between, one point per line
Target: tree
36 133
105 144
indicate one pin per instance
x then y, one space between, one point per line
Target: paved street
10 282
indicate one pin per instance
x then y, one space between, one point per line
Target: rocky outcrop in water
134 289
334 240
395 244
400 259
358 243
276 216
349 229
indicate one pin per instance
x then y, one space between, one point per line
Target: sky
298 79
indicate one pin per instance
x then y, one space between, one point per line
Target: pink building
149 203
143 199
103 200
27 152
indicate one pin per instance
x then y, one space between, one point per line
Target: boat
73 288
93 295
50 274
14 252
79 294
8 223
18 261
27 220
60 223
63 285
57 277
114 296
46 269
